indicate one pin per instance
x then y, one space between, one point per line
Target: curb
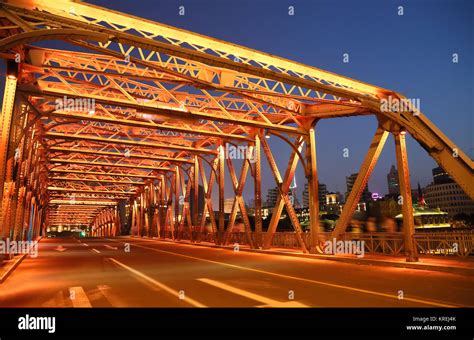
11 265
366 262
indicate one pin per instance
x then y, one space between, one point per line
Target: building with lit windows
322 192
366 195
447 195
392 182
272 195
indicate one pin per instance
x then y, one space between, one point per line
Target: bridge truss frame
167 104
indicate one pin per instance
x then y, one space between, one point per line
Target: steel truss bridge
160 107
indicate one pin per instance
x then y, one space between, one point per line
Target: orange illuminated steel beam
78 213
94 196
80 201
104 173
106 164
119 154
285 102
220 54
6 118
114 181
405 191
127 142
144 124
111 192
191 114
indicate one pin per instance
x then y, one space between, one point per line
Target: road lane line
95 250
359 290
56 301
266 301
110 247
85 245
157 283
78 297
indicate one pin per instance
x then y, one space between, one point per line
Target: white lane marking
57 301
110 247
266 301
85 245
60 248
106 292
156 283
78 297
359 290
95 250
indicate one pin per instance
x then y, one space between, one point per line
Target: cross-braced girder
144 117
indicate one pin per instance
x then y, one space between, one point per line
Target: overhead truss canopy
149 109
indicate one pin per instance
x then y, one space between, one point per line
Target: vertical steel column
5 125
169 204
19 213
135 216
176 202
196 194
5 230
147 199
156 209
405 191
120 220
37 228
258 192
156 206
186 218
162 210
141 214
30 218
26 170
313 189
221 193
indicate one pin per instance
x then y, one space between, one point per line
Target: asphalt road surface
131 272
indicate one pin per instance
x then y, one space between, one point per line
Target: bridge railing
428 243
452 243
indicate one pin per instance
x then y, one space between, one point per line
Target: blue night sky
411 54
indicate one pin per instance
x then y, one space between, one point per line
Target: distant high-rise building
272 195
392 181
322 192
350 180
440 176
447 195
306 196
